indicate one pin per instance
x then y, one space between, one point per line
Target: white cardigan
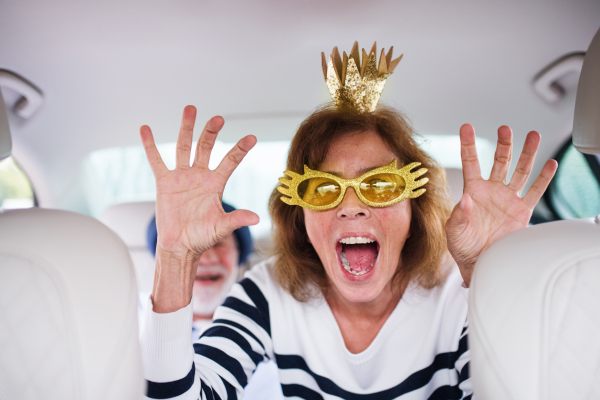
421 351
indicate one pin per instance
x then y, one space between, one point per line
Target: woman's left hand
490 210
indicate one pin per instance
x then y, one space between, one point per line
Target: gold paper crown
358 88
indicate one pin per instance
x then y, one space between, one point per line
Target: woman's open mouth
357 254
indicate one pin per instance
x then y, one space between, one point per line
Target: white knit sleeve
220 363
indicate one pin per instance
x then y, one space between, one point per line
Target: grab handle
546 82
31 97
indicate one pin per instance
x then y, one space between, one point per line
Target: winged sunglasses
379 187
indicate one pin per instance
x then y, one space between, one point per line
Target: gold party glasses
380 187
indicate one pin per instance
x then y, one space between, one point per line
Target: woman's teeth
356 240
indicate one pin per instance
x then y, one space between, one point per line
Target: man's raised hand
189 215
491 209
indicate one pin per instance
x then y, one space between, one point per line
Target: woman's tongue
361 257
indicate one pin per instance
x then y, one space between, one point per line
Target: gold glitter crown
358 88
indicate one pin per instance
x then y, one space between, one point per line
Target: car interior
77 194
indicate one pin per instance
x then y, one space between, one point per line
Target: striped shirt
421 351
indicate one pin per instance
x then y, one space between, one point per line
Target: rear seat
130 221
455 181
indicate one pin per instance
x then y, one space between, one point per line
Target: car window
15 189
122 174
575 190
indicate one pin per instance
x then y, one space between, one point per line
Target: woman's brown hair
298 268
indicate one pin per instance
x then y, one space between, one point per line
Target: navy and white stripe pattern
259 321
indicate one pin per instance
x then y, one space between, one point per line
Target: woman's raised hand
189 215
491 209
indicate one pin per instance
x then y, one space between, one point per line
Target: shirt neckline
400 311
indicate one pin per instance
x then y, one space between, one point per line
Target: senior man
218 269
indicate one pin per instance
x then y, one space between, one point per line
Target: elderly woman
363 299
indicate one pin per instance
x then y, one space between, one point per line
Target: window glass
15 188
122 174
118 175
575 190
445 149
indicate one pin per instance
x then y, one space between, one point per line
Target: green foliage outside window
15 188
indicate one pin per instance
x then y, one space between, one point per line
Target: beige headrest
68 309
533 314
5 142
454 177
586 125
130 221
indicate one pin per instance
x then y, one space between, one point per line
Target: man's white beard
206 299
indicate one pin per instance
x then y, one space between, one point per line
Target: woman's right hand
189 215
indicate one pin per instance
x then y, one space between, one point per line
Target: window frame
593 163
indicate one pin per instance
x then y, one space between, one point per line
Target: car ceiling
106 68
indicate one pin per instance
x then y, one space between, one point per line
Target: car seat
454 177
534 303
130 222
68 306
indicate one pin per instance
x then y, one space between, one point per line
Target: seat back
534 319
454 177
586 123
68 301
130 221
